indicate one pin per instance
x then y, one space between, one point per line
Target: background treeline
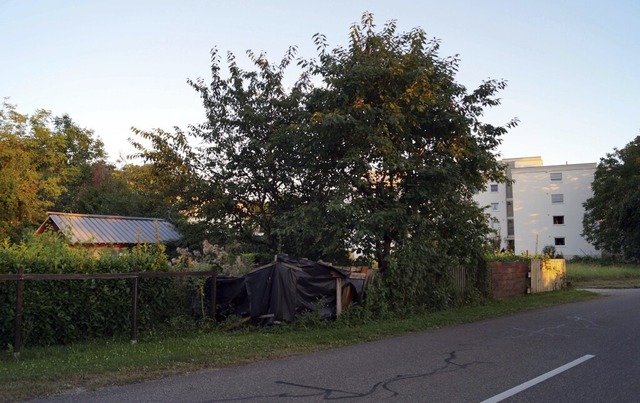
50 163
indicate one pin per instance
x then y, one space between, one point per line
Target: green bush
507 256
67 311
419 280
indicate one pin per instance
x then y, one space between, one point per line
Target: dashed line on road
508 393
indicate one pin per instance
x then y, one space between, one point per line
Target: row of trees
51 163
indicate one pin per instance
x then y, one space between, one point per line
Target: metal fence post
134 307
17 341
212 294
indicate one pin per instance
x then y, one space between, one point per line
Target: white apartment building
542 207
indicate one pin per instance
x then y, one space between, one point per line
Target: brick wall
509 279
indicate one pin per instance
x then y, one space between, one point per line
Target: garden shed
99 231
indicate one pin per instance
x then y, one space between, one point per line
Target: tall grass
603 275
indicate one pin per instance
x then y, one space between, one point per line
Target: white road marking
537 380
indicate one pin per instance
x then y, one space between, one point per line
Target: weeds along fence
513 278
133 277
473 280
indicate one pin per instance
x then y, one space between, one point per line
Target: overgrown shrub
549 251
418 279
228 260
67 311
507 256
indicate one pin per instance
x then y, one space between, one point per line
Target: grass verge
594 275
54 370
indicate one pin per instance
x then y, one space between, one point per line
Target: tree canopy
612 215
375 147
51 163
131 190
41 158
404 139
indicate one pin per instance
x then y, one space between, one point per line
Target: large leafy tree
612 215
385 152
132 190
83 154
246 175
41 158
179 181
404 141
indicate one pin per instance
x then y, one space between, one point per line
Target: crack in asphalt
586 323
545 331
387 385
554 331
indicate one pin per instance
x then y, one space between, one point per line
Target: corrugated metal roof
104 229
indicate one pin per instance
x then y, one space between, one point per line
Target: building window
510 229
494 188
558 241
557 198
495 206
555 176
558 220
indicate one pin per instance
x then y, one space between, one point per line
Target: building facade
542 206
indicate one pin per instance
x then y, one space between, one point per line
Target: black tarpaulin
281 290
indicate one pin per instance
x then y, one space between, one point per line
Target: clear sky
573 67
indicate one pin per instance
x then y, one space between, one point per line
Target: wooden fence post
134 307
17 341
338 296
535 276
213 294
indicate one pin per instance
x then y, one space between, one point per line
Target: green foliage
247 181
42 159
63 312
420 280
131 190
386 152
507 256
313 319
603 274
612 215
549 251
229 261
597 260
403 141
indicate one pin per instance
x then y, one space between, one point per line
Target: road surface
581 352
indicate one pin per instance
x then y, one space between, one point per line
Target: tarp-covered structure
286 288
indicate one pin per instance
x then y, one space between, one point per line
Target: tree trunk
383 250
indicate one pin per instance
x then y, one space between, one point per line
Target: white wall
534 210
486 198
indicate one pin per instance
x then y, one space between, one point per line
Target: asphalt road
582 352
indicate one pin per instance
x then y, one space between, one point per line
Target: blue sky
572 66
